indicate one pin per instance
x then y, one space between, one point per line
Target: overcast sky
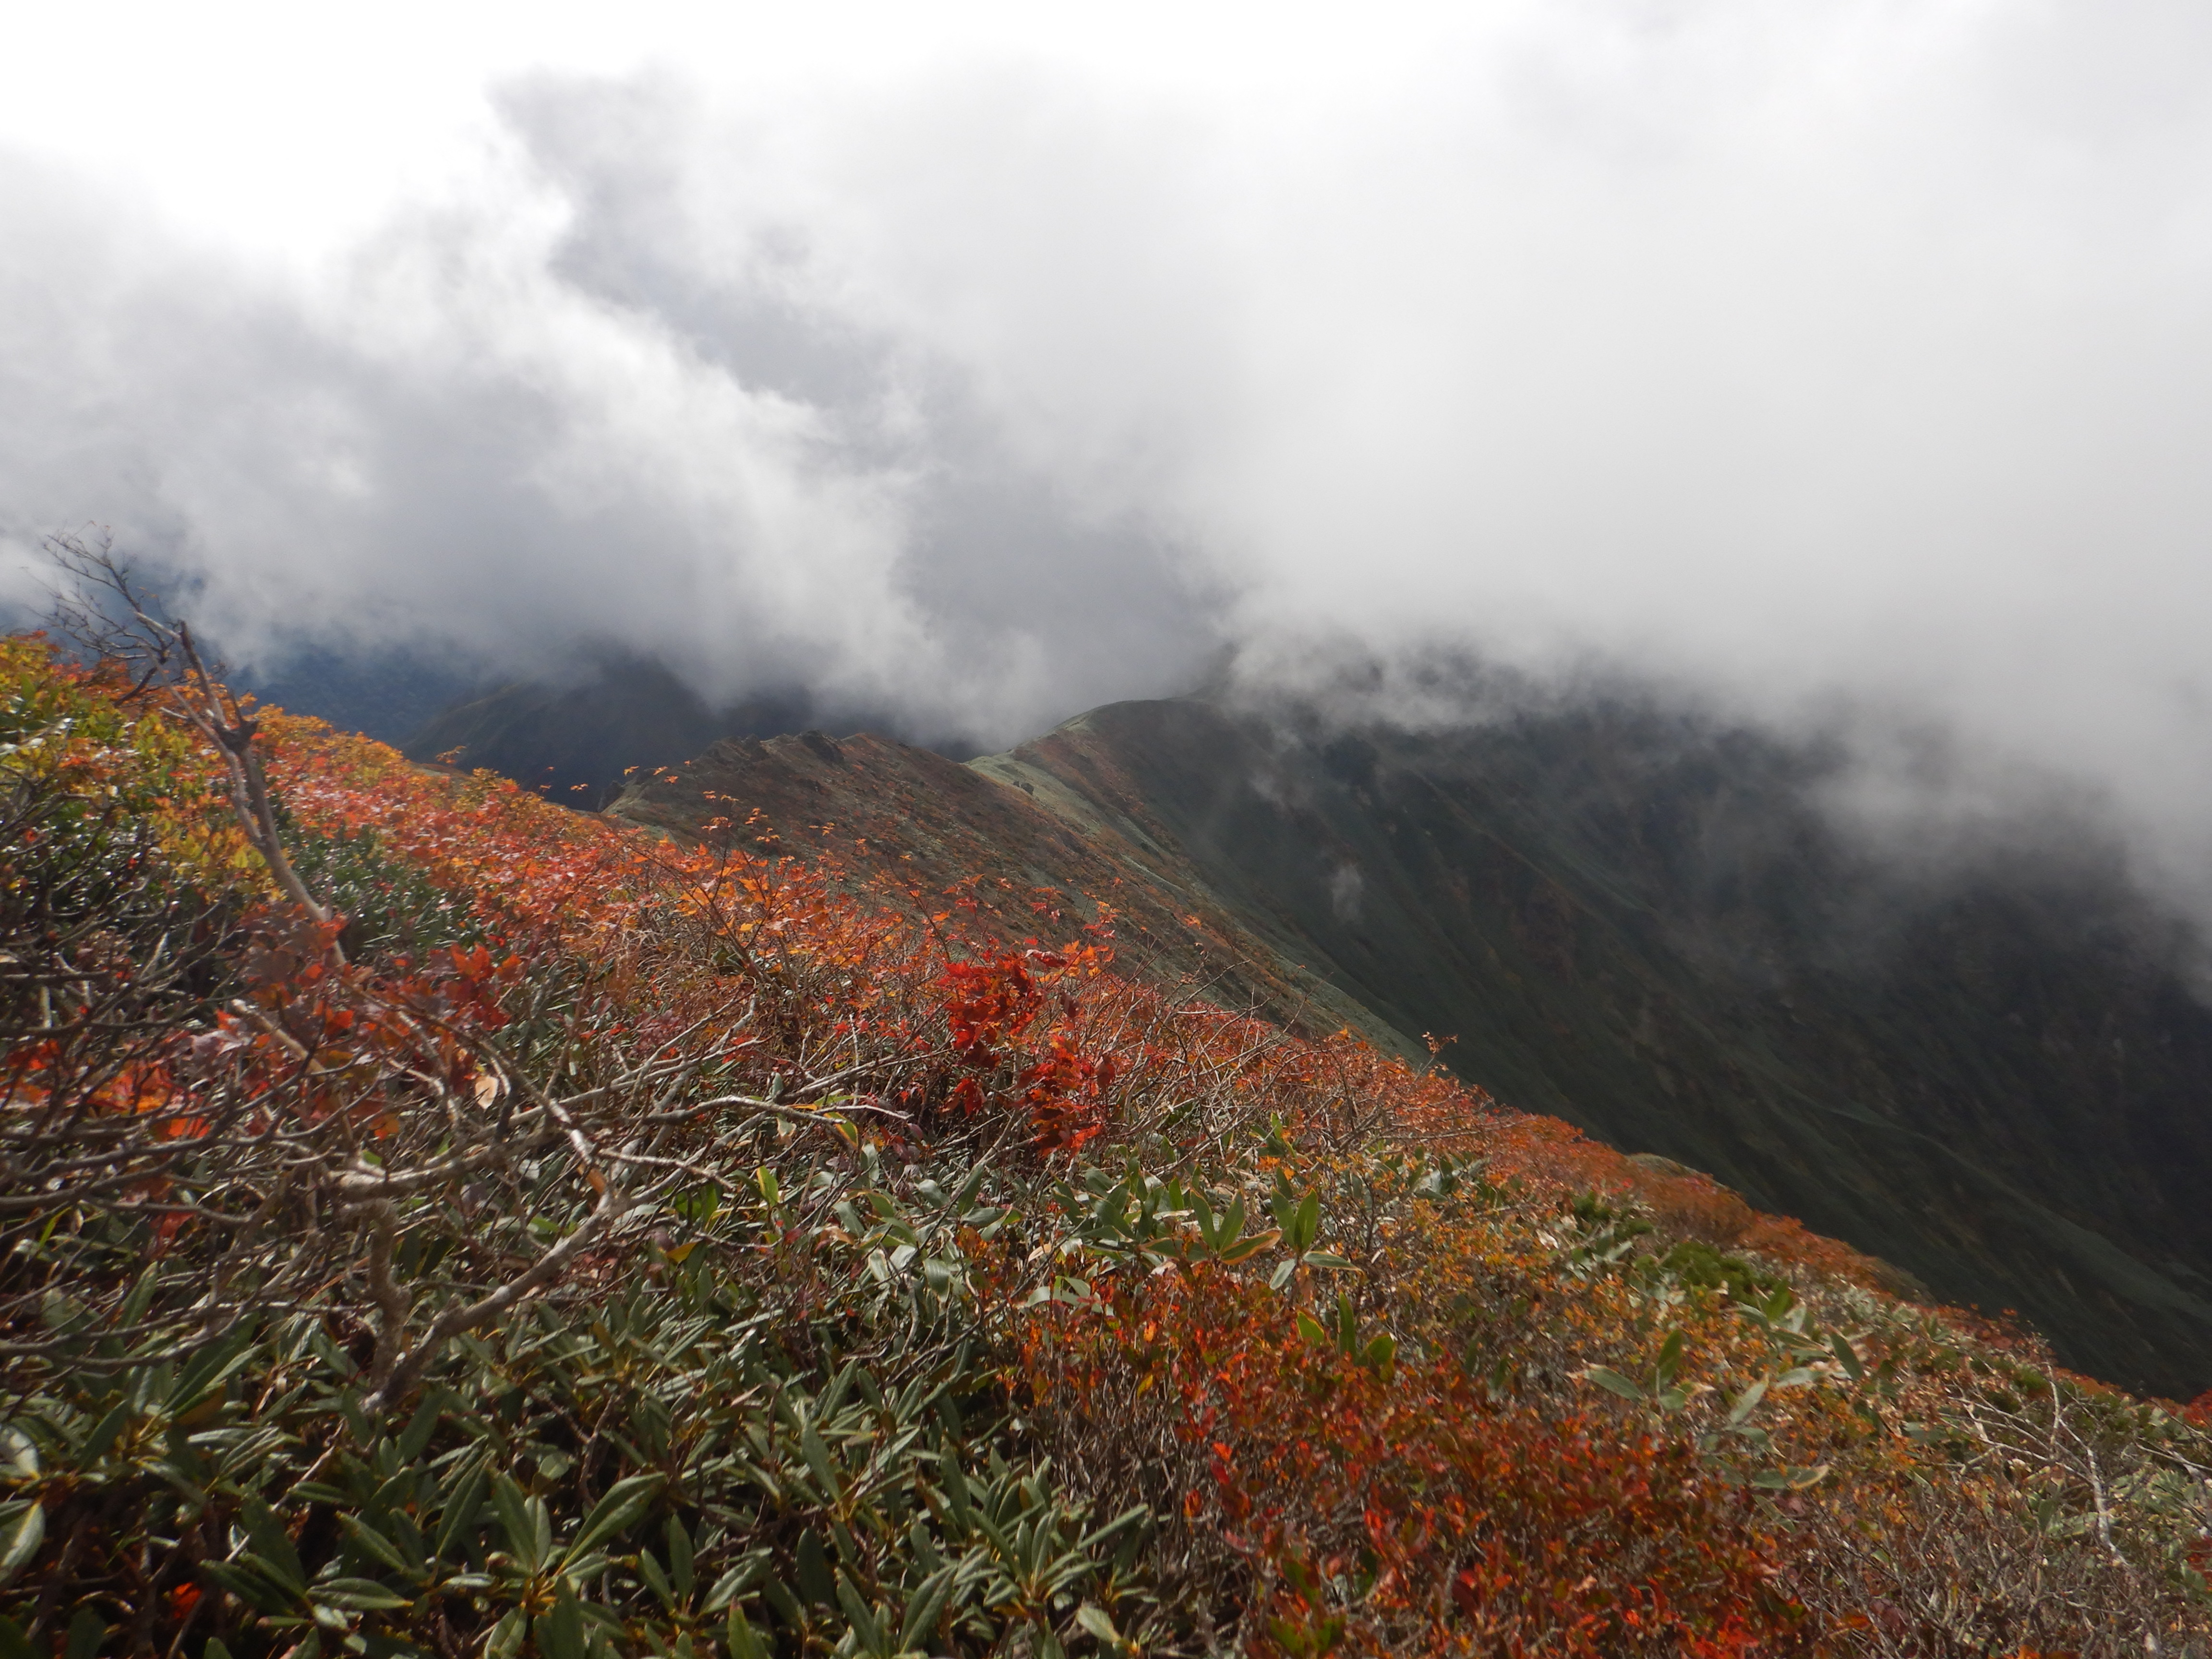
988 362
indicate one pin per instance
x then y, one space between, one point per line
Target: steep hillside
950 836
434 1224
1998 1082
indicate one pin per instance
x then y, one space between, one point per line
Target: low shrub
555 1240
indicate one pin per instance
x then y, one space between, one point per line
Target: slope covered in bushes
573 1244
1983 1058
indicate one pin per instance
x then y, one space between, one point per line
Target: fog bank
1849 359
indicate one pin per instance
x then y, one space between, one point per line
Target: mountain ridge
1646 927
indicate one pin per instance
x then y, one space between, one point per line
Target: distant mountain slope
575 742
1999 1083
949 832
381 695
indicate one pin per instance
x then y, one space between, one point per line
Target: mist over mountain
984 372
387 695
578 739
1477 737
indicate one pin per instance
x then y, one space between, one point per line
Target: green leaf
866 1624
373 1542
103 1433
1244 1250
209 1370
561 1631
744 1644
1747 1401
955 1483
520 1525
1670 1359
788 1605
834 1396
250 1588
461 1508
359 1595
818 1460
1232 1225
737 1581
23 1540
1095 1619
681 1572
506 1639
624 1502
928 1606
1324 1258
1614 1383
14 1645
271 1573
1789 1480
1201 1211
1120 1523
1281 1276
86 1632
416 1435
272 1545
141 1299
813 1567
1848 1357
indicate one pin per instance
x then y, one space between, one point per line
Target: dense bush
580 1245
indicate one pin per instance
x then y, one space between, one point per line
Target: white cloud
998 366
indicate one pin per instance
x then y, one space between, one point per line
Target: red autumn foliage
1460 1521
1349 1498
993 1009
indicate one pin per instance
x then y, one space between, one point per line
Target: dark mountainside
1997 1083
381 695
574 743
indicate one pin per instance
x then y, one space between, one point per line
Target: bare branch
104 611
614 1203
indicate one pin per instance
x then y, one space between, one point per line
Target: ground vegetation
483 1230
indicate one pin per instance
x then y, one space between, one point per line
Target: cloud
553 419
1849 354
